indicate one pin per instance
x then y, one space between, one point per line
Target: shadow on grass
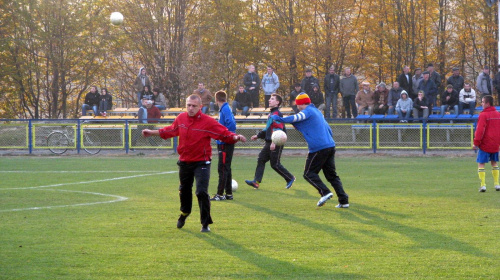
327 228
425 239
272 268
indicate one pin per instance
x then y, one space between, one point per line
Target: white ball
279 137
234 184
116 18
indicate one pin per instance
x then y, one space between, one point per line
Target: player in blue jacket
318 134
226 118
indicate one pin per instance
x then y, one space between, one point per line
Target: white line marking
118 199
89 182
43 188
70 171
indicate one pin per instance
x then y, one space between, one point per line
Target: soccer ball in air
116 18
234 184
279 137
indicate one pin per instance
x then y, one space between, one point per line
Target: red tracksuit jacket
487 136
195 134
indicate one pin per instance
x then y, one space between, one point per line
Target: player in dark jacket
270 151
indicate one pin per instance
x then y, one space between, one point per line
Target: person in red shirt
487 141
195 131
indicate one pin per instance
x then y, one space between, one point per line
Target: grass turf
410 218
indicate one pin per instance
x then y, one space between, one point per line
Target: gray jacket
416 82
270 83
482 84
349 86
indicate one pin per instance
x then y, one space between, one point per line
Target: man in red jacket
487 139
195 131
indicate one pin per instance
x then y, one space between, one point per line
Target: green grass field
115 218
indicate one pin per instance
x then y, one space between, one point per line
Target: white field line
117 197
89 182
69 171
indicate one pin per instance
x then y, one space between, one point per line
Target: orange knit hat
302 99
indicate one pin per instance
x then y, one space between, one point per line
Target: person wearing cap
496 84
251 81
434 76
456 80
405 80
365 99
394 96
429 88
319 137
332 88
297 90
484 84
317 98
420 106
449 100
380 96
308 82
467 99
349 86
416 79
404 107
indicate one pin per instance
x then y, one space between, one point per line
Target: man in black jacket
251 81
242 101
91 101
405 81
496 84
456 80
332 88
308 82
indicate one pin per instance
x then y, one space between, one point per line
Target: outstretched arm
291 119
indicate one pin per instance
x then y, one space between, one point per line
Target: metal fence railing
61 135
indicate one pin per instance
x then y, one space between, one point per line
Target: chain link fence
58 136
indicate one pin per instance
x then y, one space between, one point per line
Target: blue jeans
142 114
445 107
350 104
236 105
390 111
204 109
139 103
406 115
331 100
464 105
86 107
161 107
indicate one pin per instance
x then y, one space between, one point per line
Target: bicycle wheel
58 142
91 143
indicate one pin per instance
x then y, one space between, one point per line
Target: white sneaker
342 205
323 199
497 187
482 189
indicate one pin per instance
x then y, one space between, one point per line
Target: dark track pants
324 160
188 171
224 168
274 156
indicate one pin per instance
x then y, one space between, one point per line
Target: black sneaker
218 198
205 229
229 197
181 221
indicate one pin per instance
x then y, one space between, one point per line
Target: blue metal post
126 137
30 136
424 135
78 136
374 136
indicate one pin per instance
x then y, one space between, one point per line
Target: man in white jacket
270 84
467 99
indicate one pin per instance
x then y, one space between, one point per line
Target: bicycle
59 142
